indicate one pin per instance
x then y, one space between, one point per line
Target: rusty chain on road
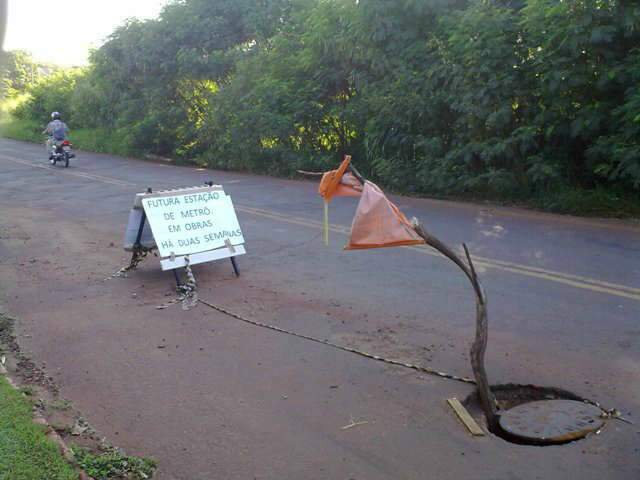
361 353
188 296
612 413
188 292
136 259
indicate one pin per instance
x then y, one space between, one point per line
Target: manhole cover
551 421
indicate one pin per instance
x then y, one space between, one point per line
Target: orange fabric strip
332 182
379 223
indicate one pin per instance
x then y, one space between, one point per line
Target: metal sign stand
139 250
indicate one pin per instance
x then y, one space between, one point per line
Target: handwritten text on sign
192 222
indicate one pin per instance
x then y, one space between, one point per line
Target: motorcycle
61 151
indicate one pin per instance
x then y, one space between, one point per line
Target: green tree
495 98
18 71
49 94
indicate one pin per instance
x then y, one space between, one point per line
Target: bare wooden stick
473 270
353 423
479 345
351 168
356 173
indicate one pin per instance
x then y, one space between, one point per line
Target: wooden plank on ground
465 418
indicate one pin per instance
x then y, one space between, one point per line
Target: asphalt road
224 400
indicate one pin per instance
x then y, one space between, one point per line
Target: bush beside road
598 202
532 103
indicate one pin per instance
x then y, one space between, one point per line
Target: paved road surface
224 400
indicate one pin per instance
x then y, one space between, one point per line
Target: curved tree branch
479 345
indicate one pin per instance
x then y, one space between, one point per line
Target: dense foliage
511 98
18 72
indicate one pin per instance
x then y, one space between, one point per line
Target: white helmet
55 116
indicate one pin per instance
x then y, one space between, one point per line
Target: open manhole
532 415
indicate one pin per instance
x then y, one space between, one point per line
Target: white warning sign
192 221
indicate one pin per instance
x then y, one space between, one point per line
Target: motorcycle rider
56 130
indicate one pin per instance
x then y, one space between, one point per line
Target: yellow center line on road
566 276
90 176
576 281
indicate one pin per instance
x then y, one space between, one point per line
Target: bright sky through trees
62 32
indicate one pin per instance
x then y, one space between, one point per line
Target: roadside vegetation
534 102
113 465
25 452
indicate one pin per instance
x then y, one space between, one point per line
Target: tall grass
26 130
11 127
100 141
89 139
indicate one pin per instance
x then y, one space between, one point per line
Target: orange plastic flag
349 186
379 223
336 183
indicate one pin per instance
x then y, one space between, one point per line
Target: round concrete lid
551 421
